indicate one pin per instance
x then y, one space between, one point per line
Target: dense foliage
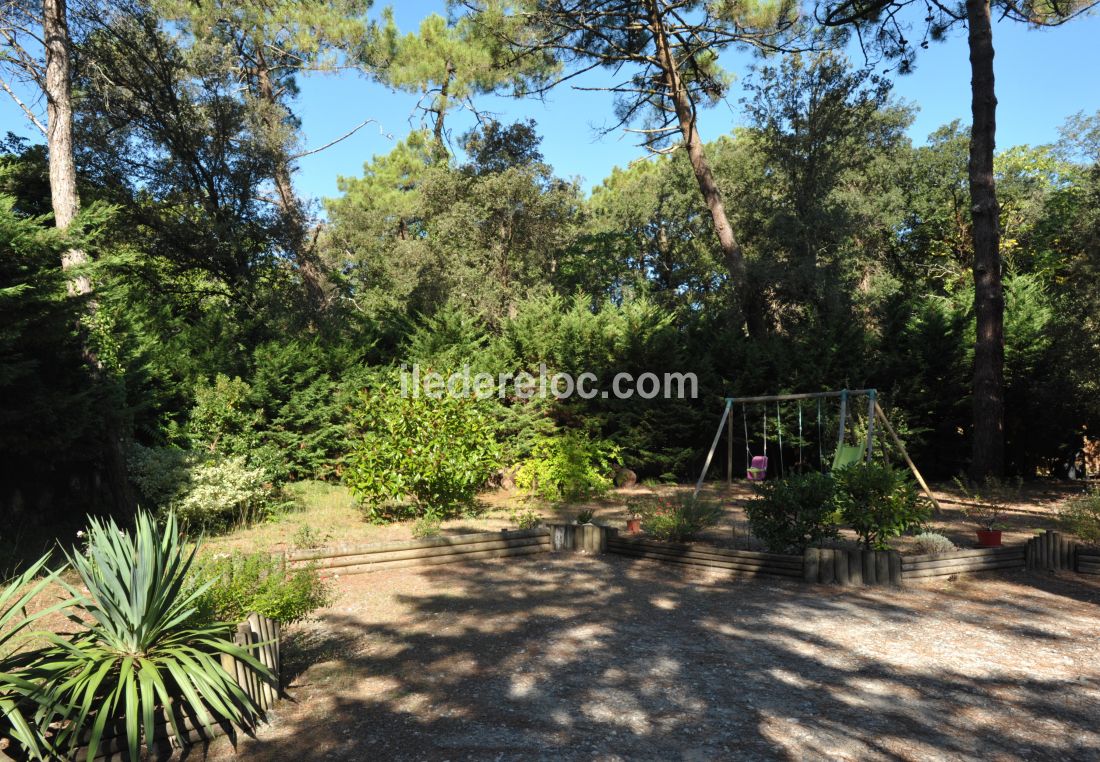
568 467
418 455
677 518
792 514
234 586
231 330
879 503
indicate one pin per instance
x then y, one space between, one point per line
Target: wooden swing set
756 466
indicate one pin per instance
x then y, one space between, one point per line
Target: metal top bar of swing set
806 396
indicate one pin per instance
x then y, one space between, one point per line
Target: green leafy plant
585 516
22 697
569 466
236 585
525 519
988 502
879 503
932 543
1081 516
792 514
435 453
428 525
211 493
676 518
306 538
141 651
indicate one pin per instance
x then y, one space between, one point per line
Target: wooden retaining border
1088 561
852 567
1051 551
357 559
745 562
963 562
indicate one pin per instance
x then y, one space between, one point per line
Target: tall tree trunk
685 116
310 270
59 134
987 457
66 203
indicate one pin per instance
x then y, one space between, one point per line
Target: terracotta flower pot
634 525
989 538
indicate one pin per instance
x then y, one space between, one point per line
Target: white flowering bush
210 495
223 493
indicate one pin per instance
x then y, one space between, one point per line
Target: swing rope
800 434
748 450
820 451
779 428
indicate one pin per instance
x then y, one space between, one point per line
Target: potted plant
985 507
585 516
633 518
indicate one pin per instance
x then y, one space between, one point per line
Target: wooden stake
905 454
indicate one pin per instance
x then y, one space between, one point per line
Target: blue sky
1043 76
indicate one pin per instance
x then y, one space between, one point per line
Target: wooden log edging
580 538
1088 562
850 567
1052 551
740 561
357 559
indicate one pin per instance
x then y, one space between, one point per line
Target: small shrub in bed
1081 516
792 514
427 526
677 519
932 543
569 466
879 503
245 582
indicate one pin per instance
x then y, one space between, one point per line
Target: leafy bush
22 704
792 514
569 466
209 495
930 542
427 526
1081 516
677 518
143 645
436 452
879 503
235 586
526 519
306 538
159 473
585 516
224 493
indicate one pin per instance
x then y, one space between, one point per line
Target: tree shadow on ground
568 657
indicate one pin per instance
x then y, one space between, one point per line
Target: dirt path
569 657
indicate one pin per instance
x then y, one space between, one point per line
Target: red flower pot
989 538
634 525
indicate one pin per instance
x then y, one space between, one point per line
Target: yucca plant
22 696
142 652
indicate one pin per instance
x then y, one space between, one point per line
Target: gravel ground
605 658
